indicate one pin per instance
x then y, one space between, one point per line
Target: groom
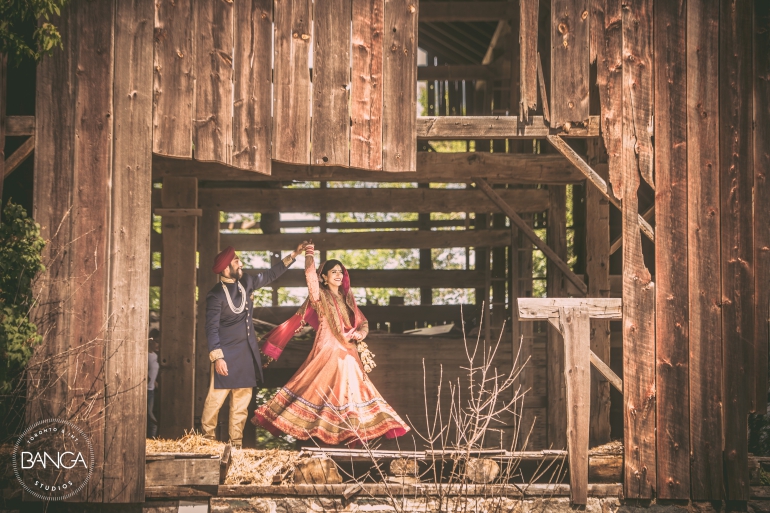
233 347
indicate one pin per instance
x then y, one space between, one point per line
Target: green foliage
26 30
265 440
20 262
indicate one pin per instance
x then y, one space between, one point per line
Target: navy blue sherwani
233 333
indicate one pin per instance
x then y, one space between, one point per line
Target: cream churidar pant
239 410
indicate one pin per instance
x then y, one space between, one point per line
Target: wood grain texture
431 167
576 328
528 26
208 248
365 200
671 251
90 231
52 203
638 289
399 73
736 183
174 79
569 61
252 85
606 20
598 274
761 199
330 126
128 293
291 81
177 310
366 84
548 308
557 242
213 47
637 81
370 240
497 127
703 215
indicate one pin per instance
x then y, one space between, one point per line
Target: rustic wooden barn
654 113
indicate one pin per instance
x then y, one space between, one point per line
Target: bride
330 398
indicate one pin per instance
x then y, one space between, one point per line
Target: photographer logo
53 460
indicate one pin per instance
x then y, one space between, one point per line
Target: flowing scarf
273 344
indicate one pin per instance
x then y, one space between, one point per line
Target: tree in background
26 30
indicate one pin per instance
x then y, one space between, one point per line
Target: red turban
223 260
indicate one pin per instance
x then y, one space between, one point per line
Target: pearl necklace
230 301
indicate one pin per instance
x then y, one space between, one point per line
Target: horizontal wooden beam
457 72
367 200
19 126
508 210
178 212
496 127
431 12
398 278
426 313
531 308
370 240
431 167
20 155
355 225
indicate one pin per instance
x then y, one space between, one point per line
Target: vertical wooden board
90 230
47 374
598 273
399 78
174 79
576 328
638 288
671 251
366 84
606 21
528 25
129 272
736 182
213 47
557 240
569 61
208 248
637 81
291 81
703 216
761 197
330 131
177 310
252 85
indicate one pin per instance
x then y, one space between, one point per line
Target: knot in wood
584 16
295 35
180 54
563 28
305 37
263 15
394 48
412 9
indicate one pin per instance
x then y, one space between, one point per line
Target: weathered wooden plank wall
703 208
671 251
528 32
252 85
92 197
736 183
569 61
638 288
177 310
331 75
761 199
399 75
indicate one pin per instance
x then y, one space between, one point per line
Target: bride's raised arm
310 274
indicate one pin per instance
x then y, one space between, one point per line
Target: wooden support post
497 275
323 224
569 61
208 248
638 289
532 418
177 310
576 330
598 274
531 235
737 237
528 28
557 241
426 257
672 377
703 214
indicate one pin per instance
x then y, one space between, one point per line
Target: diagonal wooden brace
593 177
19 156
531 235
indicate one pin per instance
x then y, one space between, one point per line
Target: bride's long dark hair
328 266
